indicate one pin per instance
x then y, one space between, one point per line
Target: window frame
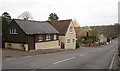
48 37
40 38
68 40
13 31
71 29
55 37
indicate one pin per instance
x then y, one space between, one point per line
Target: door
31 42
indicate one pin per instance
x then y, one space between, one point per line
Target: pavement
8 54
83 58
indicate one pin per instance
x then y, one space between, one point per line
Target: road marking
37 55
47 54
83 54
28 56
111 65
33 70
9 59
63 60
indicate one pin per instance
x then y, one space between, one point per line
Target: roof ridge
63 20
66 20
30 20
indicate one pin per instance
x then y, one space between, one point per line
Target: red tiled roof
61 25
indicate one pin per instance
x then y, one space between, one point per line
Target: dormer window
13 31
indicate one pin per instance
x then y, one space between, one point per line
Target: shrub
89 39
77 44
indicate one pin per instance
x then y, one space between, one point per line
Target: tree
0 25
53 16
25 15
6 19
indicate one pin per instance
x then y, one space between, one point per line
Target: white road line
37 55
83 54
47 54
33 70
10 59
28 56
111 65
63 60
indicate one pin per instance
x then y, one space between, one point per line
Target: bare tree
25 15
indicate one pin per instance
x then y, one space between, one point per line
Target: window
68 40
48 37
55 37
73 40
40 38
13 31
71 29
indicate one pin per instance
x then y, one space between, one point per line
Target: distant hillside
108 30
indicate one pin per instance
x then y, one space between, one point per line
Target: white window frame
55 37
71 29
48 37
40 38
13 31
10 30
68 40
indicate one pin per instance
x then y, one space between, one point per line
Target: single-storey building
31 35
67 33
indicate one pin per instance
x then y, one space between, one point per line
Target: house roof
61 25
36 27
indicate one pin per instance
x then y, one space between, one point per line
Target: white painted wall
71 36
16 46
47 45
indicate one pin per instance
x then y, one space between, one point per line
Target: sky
85 12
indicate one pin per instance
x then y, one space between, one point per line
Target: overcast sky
86 12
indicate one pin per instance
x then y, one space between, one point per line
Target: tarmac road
83 58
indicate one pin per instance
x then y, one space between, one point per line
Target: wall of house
44 38
19 37
47 45
17 46
71 36
62 38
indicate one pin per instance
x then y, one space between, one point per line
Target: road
83 58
